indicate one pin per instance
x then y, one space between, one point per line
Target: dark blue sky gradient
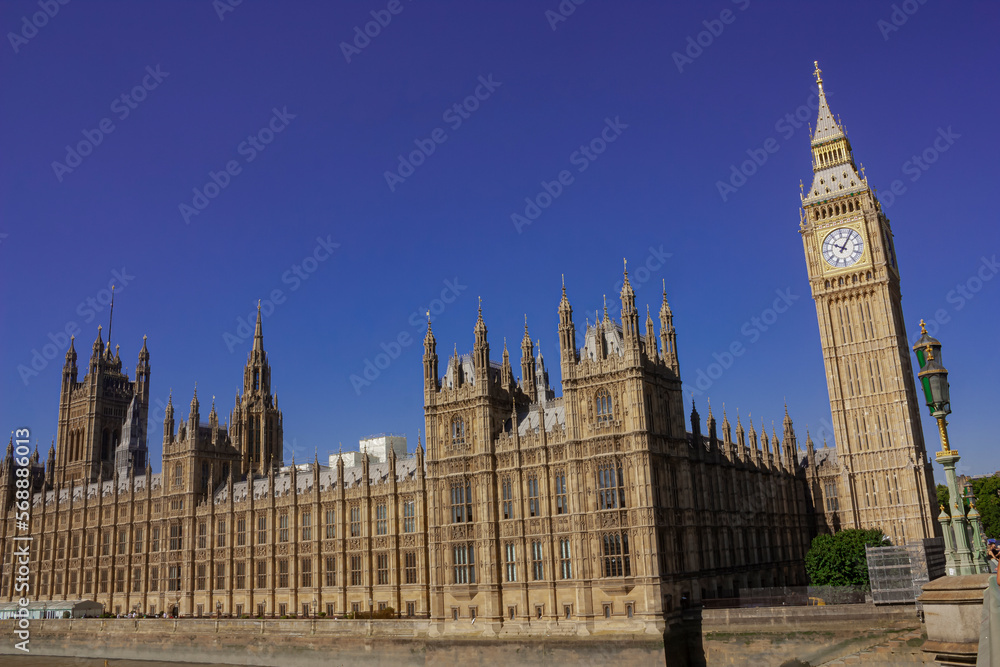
449 223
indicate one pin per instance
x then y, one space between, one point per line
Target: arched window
605 411
457 431
106 444
615 555
256 380
610 485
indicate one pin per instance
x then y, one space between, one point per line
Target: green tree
839 559
942 495
987 492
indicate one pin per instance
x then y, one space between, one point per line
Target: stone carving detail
382 542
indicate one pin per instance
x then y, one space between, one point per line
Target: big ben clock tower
882 478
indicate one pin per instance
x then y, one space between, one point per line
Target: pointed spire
528 365
827 127
193 415
111 314
98 344
506 374
627 294
480 325
71 354
695 423
564 308
258 333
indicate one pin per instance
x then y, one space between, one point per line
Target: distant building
350 459
377 446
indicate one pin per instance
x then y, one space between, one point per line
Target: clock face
843 247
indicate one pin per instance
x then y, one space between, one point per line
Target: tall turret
528 365
668 336
430 361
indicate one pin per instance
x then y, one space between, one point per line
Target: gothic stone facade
528 511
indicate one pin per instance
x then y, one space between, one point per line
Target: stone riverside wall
304 643
777 636
767 636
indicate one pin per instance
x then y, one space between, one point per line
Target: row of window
615 562
174 533
536 564
610 493
203 581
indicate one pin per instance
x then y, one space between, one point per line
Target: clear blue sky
336 127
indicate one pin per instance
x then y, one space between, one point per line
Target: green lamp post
955 526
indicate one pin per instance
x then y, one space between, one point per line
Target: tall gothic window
615 555
175 537
410 562
464 560
283 528
610 486
510 560
605 412
355 521
461 501
355 570
382 568
307 525
533 506
561 507
537 574
381 520
565 562
409 516
457 432
508 499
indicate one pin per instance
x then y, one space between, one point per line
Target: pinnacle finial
605 306
625 260
818 73
923 327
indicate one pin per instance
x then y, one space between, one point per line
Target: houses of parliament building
603 507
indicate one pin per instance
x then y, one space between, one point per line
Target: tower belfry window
256 380
605 412
457 431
